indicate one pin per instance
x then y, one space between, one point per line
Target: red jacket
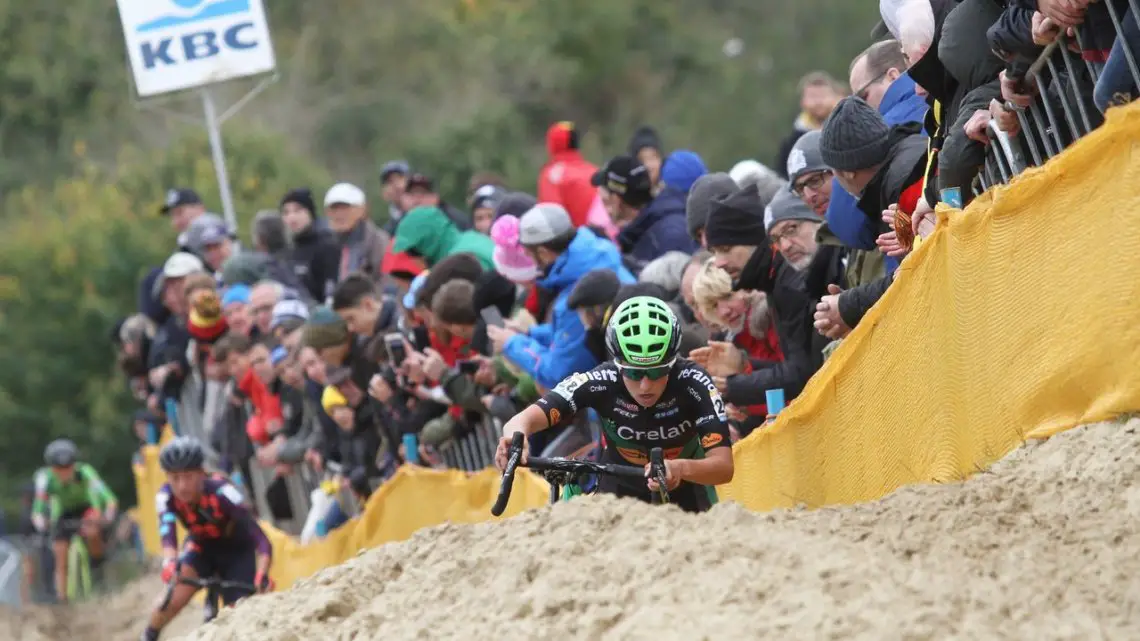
452 352
766 348
267 417
566 177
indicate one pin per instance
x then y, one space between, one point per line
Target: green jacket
863 266
430 233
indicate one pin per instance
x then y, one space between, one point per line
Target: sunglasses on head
652 373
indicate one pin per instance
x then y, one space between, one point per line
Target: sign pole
214 130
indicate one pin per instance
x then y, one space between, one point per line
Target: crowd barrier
1014 320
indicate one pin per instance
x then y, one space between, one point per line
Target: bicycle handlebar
571 466
199 582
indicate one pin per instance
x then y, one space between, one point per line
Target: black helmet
61 453
182 454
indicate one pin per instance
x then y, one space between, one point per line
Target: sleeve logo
709 440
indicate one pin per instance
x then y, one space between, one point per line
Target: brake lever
657 469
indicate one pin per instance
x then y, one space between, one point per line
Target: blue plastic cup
775 400
411 449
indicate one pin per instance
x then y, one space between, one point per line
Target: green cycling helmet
643 332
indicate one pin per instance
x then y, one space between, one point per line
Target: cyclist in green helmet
70 498
647 397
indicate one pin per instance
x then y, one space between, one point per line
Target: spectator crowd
369 326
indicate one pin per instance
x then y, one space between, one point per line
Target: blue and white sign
181 44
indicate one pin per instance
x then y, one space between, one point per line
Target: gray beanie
805 158
704 191
854 136
787 206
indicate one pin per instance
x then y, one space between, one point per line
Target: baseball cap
207 229
487 196
543 223
287 309
344 194
626 177
420 181
179 265
409 299
178 197
394 167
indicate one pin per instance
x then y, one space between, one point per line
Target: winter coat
901 172
315 259
362 250
549 352
658 228
431 234
566 179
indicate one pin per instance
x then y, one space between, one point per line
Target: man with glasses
878 77
647 397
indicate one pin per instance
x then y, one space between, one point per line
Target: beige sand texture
1046 545
118 617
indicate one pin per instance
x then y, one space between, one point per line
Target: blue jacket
659 228
550 352
844 218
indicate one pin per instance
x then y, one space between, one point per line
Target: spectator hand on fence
719 358
1006 120
1066 13
434 367
828 322
379 389
1045 29
314 458
975 127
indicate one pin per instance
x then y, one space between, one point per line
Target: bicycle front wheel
78 570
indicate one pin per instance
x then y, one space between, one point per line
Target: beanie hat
854 136
644 137
751 172
595 287
544 223
236 294
288 309
681 169
510 259
700 202
804 158
628 179
788 206
737 220
666 270
206 323
302 196
515 204
324 329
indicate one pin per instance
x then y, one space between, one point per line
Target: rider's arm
716 467
167 523
45 507
529 421
233 505
98 493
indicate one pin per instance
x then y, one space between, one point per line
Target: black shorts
69 524
225 561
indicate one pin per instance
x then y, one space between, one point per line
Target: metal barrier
11 577
1063 110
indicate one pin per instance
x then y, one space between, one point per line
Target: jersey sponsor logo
698 376
627 405
694 393
706 419
601 375
709 440
654 434
554 416
667 413
618 410
161 500
597 388
664 405
637 457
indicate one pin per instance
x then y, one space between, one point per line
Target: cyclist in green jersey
646 397
70 499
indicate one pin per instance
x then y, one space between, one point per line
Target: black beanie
737 219
596 287
854 136
645 136
515 204
303 197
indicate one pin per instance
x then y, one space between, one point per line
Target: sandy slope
1044 546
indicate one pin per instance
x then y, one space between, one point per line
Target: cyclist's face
187 486
65 474
645 389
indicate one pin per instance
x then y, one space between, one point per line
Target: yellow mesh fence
1018 318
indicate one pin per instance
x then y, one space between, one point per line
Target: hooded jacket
362 250
658 228
315 259
550 352
431 234
900 105
566 177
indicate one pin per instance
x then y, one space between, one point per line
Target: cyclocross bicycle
563 473
79 583
213 586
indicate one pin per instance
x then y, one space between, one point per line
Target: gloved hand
168 570
39 522
263 582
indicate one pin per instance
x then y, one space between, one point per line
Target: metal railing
11 576
1063 110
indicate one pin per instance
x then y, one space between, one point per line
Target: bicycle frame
562 471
